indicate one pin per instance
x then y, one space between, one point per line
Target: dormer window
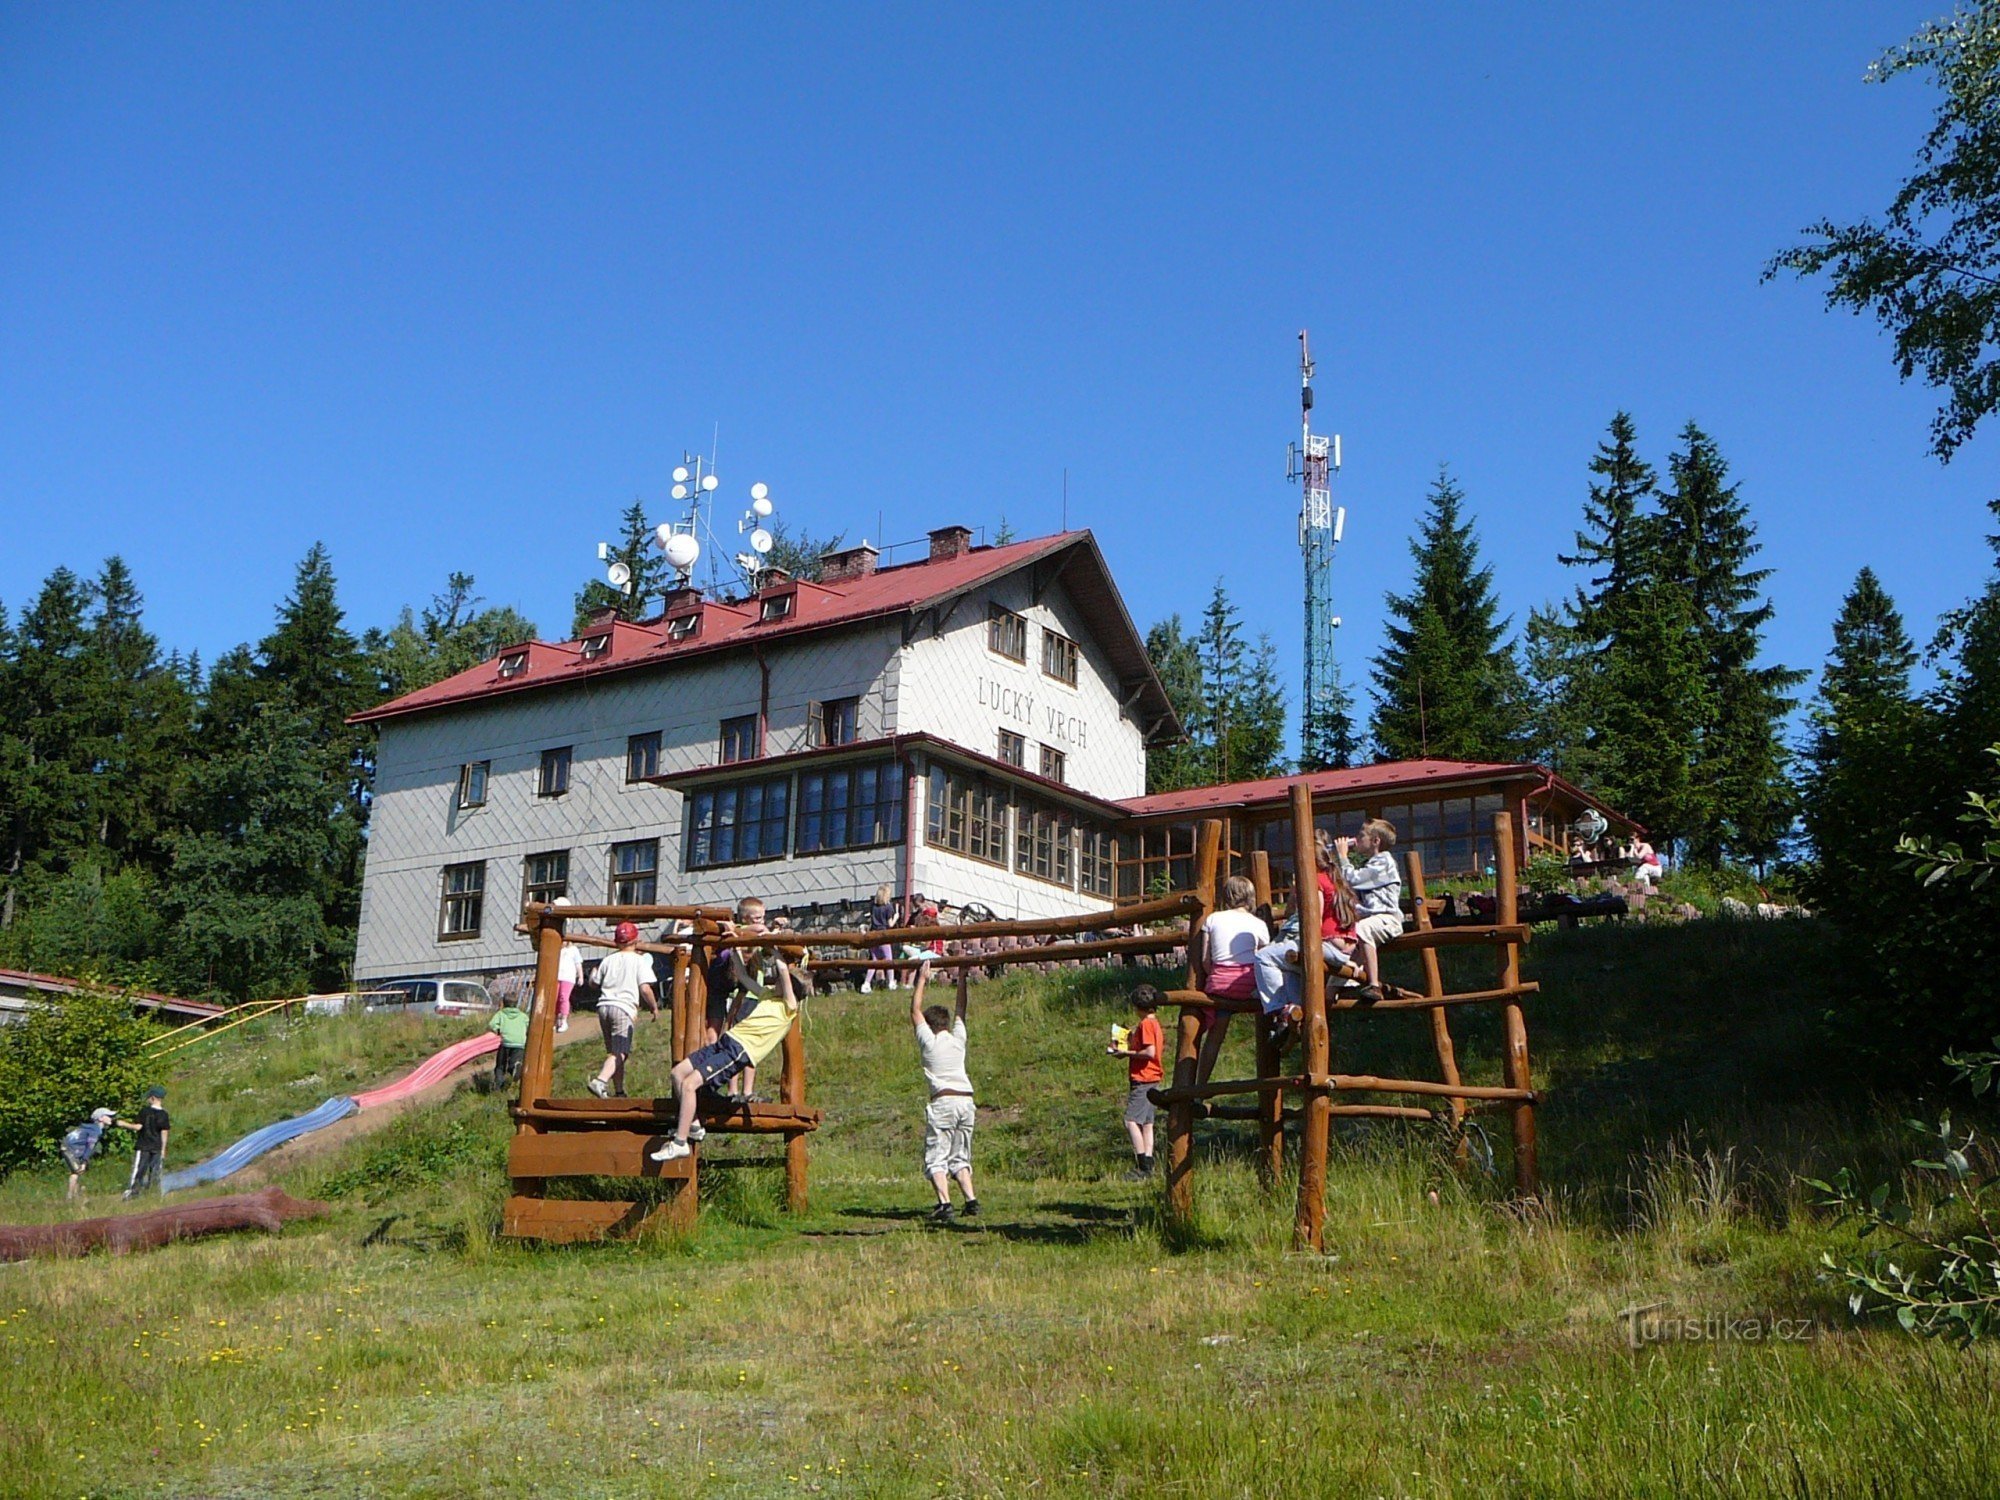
681 627
513 663
776 607
595 646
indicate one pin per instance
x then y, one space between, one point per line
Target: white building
964 726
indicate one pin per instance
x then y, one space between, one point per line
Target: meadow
1449 1342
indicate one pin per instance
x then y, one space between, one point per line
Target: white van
409 997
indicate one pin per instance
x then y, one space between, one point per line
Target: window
837 721
1042 845
680 627
472 783
739 739
464 895
851 809
968 816
642 756
1006 633
554 779
1097 862
775 606
635 873
513 663
734 825
595 646
1013 748
1055 764
1161 859
1058 657
544 877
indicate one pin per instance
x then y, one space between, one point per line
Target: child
732 985
1226 955
510 1024
80 1144
949 1117
754 1037
1142 1051
1278 971
1378 887
569 972
149 1150
624 983
881 917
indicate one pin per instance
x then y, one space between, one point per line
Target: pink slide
430 1070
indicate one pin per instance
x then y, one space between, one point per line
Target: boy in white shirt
1378 893
950 1115
624 983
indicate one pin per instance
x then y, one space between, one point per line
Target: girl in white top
1225 958
569 973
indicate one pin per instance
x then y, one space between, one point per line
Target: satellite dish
760 541
619 574
760 506
749 562
709 481
680 492
683 551
663 533
681 474
760 491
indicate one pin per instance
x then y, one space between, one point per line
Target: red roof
1406 777
734 624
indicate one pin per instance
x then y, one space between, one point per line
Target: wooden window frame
843 713
738 725
637 749
1066 656
708 800
550 889
649 873
1043 847
484 768
879 826
1003 625
463 898
1055 764
1012 748
553 775
968 816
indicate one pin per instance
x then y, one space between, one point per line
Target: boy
1143 1049
510 1024
149 1150
754 1037
624 983
949 1117
732 985
1378 894
80 1144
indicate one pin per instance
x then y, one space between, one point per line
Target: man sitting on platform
753 1037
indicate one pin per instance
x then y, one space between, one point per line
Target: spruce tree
638 550
1333 731
1259 742
1173 767
452 634
1219 648
144 719
1447 683
46 741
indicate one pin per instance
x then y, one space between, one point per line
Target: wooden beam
1046 953
1270 1107
792 1089
1180 1116
1413 863
1527 1175
562 1221
532 914
1309 1222
1459 937
592 1153
538 1059
1165 908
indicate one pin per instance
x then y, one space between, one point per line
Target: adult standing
149 1147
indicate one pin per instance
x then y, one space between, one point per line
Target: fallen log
268 1210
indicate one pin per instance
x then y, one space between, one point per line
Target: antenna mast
1315 458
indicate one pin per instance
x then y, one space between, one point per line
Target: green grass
1447 1343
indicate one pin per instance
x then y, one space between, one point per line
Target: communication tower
1315 459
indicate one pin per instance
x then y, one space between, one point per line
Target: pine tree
46 740
1609 543
1219 650
452 634
1447 683
1333 729
799 553
1177 663
144 719
1258 745
640 552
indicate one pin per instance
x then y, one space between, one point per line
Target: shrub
66 1059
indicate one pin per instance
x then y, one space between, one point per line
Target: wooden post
792 1086
677 1009
1270 1105
538 1063
1309 1223
1187 1051
1413 865
1527 1177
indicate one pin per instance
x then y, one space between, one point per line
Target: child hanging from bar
950 1115
752 1037
1378 892
1279 973
1226 958
734 985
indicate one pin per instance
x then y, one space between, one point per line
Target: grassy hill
1448 1343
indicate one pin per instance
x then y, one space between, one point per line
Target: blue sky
448 288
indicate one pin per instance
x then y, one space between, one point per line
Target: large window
472 778
836 721
635 873
1055 765
545 877
735 825
739 739
1096 863
968 816
554 778
850 808
1006 633
463 895
642 756
1013 748
1042 845
1156 860
1058 657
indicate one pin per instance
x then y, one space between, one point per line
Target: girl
1278 970
881 917
1226 957
569 969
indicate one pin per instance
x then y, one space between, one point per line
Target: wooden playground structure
585 1136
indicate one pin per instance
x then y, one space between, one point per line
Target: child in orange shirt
1143 1050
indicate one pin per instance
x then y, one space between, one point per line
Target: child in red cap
624 983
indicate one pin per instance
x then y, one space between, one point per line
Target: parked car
409 997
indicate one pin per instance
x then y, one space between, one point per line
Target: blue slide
235 1158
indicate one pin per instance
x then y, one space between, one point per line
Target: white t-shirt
619 978
1235 936
944 1057
569 965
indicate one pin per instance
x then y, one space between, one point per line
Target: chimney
948 542
602 616
772 579
679 600
848 563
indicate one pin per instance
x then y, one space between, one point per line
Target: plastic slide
430 1070
235 1158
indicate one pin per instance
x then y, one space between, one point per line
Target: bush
69 1057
